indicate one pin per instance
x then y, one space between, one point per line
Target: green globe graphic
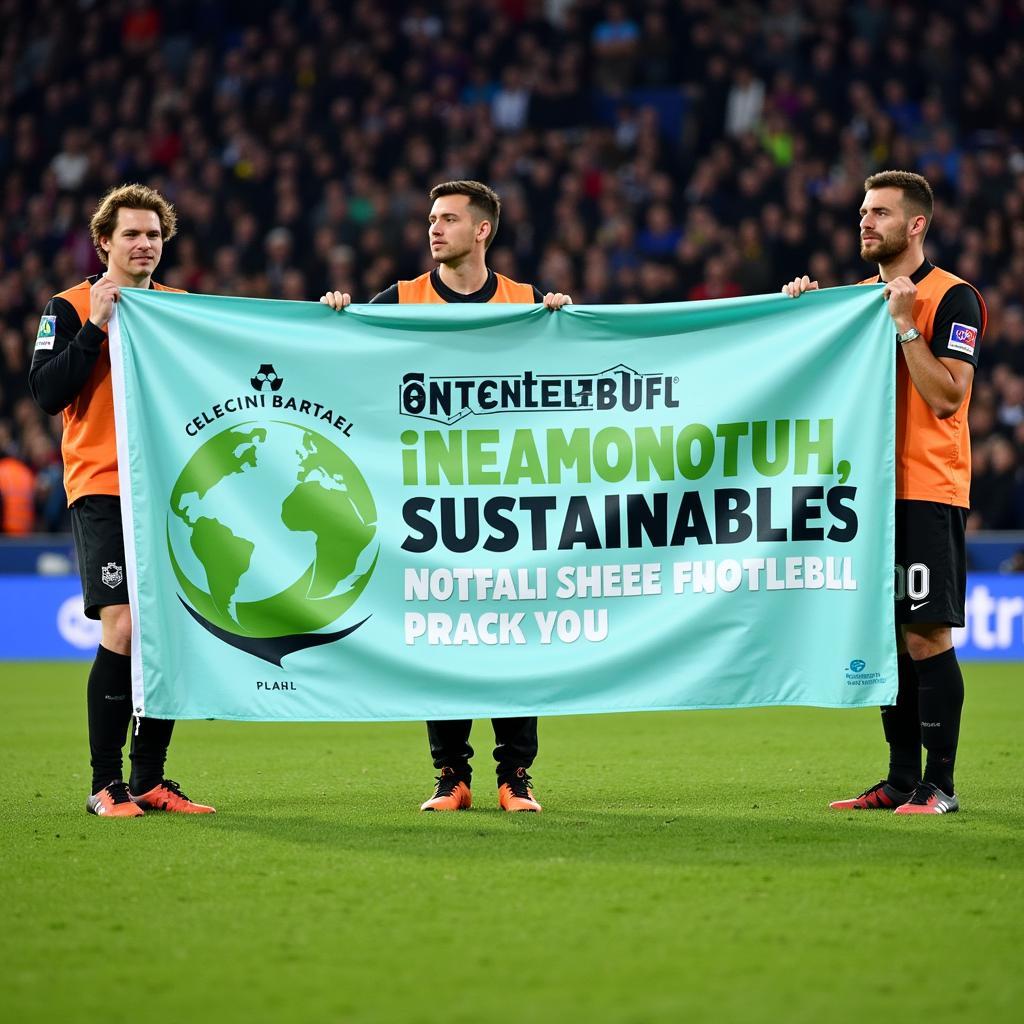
270 531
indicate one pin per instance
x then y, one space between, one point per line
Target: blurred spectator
71 164
17 489
645 152
511 103
994 484
745 102
660 236
717 283
616 45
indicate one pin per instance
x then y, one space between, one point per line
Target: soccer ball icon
265 375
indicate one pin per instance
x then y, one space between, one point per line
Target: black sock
150 739
901 724
941 698
109 701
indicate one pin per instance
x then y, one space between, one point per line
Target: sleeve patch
963 338
47 332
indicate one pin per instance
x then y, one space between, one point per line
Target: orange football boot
169 797
113 801
929 799
451 793
517 794
880 797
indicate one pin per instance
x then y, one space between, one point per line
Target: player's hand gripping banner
411 512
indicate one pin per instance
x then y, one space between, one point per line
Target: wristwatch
908 335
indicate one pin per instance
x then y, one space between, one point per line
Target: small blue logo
857 665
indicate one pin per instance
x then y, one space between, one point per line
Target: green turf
684 869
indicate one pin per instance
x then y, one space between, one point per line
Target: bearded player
939 321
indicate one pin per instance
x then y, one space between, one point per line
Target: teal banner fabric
455 511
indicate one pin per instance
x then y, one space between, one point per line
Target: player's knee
116 621
927 641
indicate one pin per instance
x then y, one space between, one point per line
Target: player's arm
64 357
339 300
943 373
389 296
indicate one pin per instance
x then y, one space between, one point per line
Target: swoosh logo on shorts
914 607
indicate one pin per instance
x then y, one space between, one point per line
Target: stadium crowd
644 152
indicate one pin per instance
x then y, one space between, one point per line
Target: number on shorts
914 582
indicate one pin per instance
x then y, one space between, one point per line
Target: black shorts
99 541
931 563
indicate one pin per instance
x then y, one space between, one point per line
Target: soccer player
462 224
939 321
70 374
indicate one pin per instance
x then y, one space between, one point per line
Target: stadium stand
645 152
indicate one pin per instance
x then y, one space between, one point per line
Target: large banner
409 512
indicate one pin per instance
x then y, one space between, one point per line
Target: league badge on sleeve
963 338
47 332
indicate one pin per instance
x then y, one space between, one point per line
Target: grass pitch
685 869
